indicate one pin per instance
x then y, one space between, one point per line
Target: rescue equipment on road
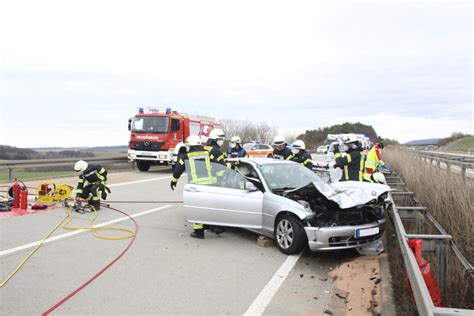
52 192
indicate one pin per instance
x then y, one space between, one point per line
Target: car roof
262 161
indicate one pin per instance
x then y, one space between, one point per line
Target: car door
226 203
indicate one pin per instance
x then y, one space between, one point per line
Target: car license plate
367 232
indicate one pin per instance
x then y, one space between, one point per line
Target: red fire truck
158 134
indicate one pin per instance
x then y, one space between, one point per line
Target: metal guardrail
463 161
11 165
435 244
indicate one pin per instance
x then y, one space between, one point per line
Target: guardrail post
10 173
419 223
448 168
442 247
463 173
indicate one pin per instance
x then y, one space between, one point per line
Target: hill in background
463 145
316 137
14 153
424 142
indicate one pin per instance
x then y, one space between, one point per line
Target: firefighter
373 159
200 172
213 146
301 155
235 148
352 161
92 180
281 151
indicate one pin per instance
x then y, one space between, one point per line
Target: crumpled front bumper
342 237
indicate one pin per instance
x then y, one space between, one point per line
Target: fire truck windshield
150 124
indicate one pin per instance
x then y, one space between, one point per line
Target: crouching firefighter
197 161
91 185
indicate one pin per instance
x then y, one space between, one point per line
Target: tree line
15 153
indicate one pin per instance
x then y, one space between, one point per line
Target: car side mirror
129 124
249 186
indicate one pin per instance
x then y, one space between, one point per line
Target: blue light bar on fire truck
154 110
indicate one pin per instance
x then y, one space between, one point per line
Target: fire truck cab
158 134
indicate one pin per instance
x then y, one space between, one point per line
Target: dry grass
452 204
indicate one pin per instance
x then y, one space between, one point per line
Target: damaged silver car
289 203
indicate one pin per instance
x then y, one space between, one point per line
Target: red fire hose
67 297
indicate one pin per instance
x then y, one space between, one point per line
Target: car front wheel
290 235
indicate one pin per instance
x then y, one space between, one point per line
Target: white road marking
135 182
121 219
264 298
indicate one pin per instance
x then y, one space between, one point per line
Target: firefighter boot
198 233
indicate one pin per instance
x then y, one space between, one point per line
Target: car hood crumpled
349 194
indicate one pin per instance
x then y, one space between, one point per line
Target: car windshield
150 124
286 176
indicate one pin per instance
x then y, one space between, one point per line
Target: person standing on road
91 185
352 161
235 148
198 161
281 151
301 155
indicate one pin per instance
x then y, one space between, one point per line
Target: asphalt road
166 271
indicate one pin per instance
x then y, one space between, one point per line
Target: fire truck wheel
143 165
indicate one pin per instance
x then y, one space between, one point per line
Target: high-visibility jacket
304 158
200 168
93 174
353 164
372 160
284 154
215 153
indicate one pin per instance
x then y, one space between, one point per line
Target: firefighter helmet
81 166
351 138
378 177
299 144
216 134
279 140
235 139
193 140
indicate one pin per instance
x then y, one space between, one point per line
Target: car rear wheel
290 235
143 165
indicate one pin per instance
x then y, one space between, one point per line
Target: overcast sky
71 75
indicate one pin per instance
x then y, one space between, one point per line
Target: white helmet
193 140
279 140
351 138
299 144
236 139
379 178
216 134
81 166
